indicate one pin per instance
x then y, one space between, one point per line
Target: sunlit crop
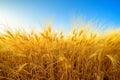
51 55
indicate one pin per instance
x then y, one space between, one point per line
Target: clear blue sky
60 12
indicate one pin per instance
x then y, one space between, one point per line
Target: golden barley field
49 55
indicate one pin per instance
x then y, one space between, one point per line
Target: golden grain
52 56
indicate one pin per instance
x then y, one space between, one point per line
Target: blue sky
61 13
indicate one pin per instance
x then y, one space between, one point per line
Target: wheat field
49 55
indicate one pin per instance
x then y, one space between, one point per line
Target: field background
49 55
